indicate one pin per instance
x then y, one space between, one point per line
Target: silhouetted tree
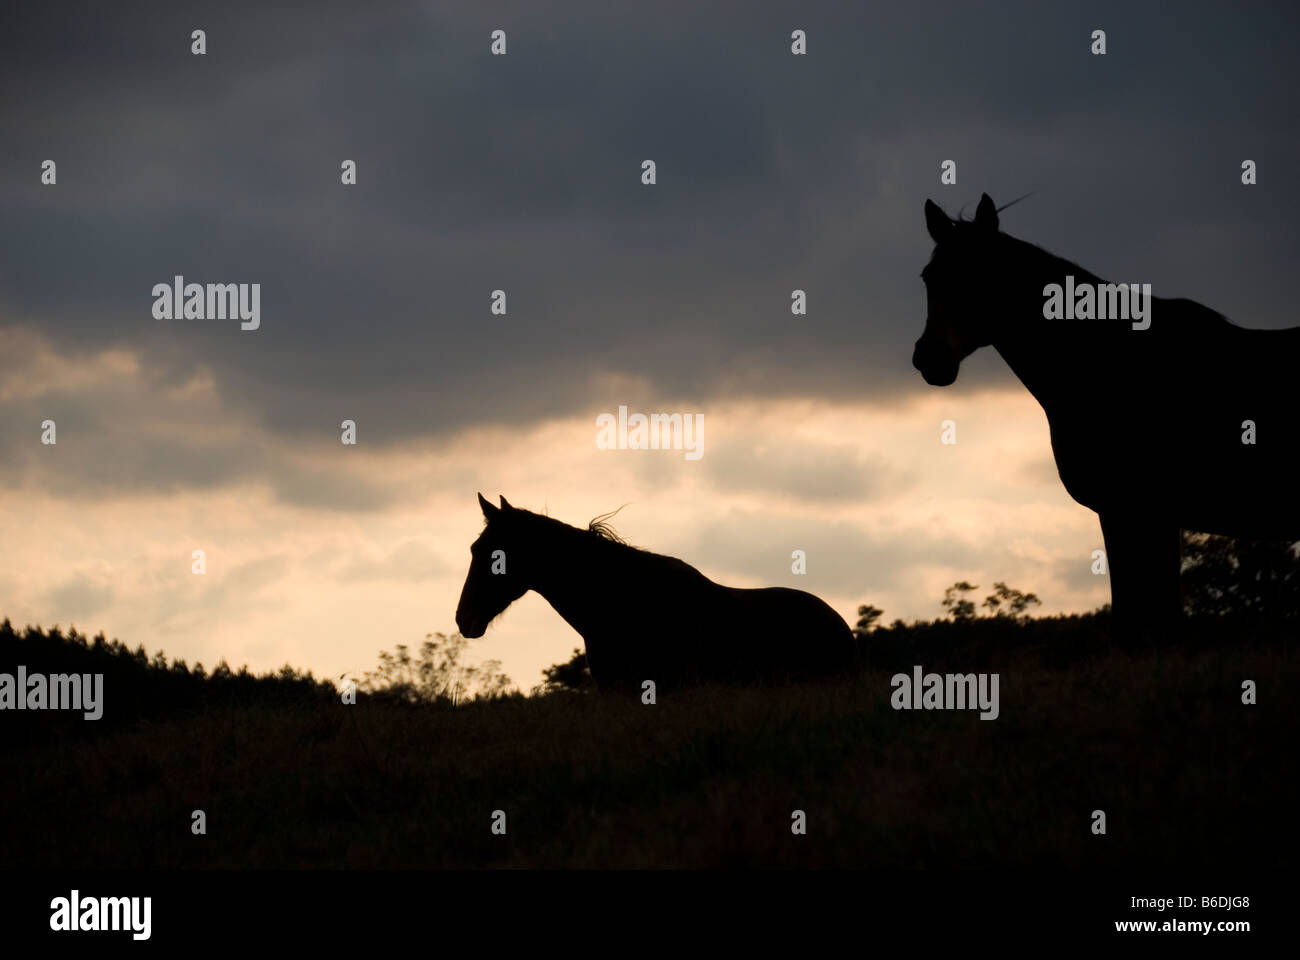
140 687
436 675
958 606
1005 602
867 617
1249 579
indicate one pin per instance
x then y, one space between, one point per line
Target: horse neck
1054 359
571 573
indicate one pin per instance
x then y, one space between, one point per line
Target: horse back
789 632
1196 419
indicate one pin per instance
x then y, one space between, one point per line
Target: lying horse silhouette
1149 426
644 616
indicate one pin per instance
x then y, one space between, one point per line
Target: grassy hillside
1158 739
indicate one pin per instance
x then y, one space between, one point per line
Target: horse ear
937 222
489 511
505 504
986 214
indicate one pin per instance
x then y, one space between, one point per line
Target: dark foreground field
1158 739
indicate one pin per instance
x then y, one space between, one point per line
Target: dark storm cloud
122 433
522 173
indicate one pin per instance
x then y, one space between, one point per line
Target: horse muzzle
469 629
937 365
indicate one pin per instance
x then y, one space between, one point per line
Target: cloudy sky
523 173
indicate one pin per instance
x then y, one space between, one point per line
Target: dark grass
1157 738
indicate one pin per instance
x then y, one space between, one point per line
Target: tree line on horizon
1244 583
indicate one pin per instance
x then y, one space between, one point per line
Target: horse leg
1144 558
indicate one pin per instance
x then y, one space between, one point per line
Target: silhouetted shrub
573 674
436 675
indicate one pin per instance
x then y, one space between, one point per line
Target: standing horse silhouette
644 616
1149 426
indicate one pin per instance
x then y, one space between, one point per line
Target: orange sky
886 513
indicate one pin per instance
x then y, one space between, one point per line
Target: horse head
496 571
962 290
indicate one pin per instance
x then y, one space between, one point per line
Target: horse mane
1192 311
601 527
598 529
1024 249
1033 250
600 537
